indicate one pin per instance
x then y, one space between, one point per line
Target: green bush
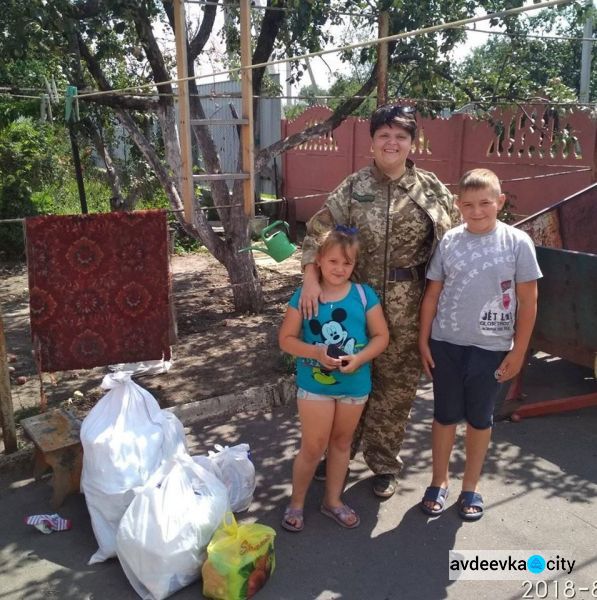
63 198
31 156
183 243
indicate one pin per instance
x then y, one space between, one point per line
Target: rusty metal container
566 239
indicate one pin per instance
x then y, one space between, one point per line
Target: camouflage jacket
372 202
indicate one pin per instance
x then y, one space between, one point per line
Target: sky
323 72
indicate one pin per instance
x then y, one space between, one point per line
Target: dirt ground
218 352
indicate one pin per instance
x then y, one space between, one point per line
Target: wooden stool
55 435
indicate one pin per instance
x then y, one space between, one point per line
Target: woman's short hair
394 114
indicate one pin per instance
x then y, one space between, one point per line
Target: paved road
540 486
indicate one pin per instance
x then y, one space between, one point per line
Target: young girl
334 351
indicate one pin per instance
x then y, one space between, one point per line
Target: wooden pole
9 432
247 140
184 113
585 56
382 59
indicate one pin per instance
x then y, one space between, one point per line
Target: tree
308 97
111 44
520 61
516 67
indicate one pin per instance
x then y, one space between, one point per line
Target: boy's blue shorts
464 383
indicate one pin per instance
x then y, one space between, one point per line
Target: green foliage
499 71
63 198
292 111
508 68
154 198
344 88
206 200
309 97
517 67
31 157
270 86
310 93
183 243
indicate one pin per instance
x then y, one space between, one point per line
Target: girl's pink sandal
293 519
342 515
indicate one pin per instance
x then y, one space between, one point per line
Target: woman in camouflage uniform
401 213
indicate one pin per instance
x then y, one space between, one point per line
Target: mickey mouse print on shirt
333 335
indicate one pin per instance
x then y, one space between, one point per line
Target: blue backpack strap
362 295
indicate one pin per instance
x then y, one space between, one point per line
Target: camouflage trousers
395 379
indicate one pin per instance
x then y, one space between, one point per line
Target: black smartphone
336 352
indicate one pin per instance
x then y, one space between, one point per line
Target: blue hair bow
347 230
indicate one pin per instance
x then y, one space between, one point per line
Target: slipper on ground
436 494
470 500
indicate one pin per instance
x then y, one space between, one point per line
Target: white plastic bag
163 536
209 465
147 367
238 474
125 438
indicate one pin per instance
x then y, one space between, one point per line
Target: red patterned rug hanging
99 289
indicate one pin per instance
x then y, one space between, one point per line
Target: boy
476 320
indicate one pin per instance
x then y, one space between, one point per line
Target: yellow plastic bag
240 559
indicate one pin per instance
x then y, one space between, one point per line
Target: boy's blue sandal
435 494
293 519
470 500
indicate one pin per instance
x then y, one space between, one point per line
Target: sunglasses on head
399 110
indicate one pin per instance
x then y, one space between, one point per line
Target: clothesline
320 194
6 93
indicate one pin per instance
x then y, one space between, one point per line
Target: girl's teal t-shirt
342 326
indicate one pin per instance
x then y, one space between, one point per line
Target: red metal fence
540 155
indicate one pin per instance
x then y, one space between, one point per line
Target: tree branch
207 23
449 77
117 201
335 119
125 102
153 53
270 27
196 45
93 65
116 100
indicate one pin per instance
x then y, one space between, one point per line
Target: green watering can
277 244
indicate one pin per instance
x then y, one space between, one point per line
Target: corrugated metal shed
226 137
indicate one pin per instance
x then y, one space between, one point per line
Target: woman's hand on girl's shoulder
310 293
